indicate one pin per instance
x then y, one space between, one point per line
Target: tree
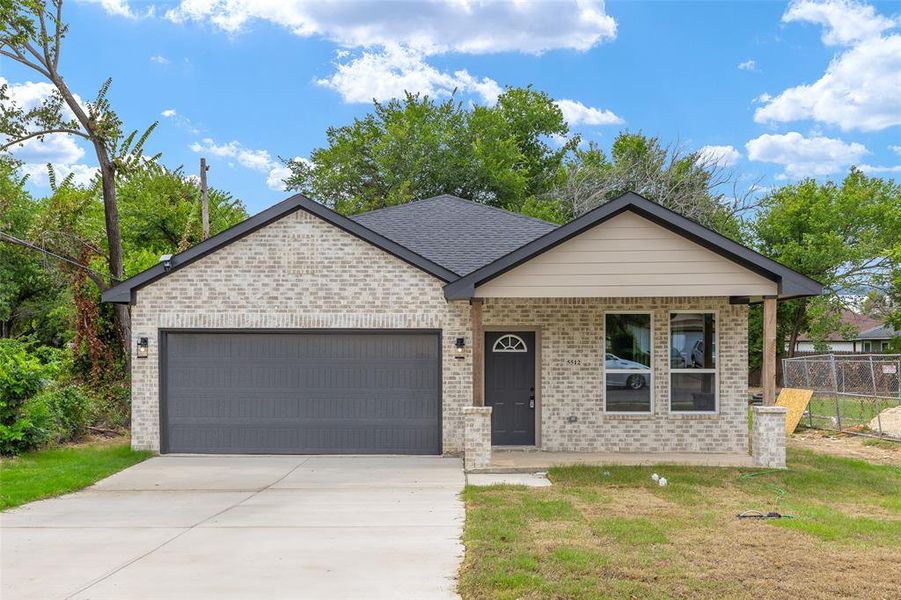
32 297
31 33
687 182
842 235
417 147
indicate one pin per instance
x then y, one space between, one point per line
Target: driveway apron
244 527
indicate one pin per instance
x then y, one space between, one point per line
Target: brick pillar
477 437
768 436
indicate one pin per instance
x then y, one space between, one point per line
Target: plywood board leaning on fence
796 402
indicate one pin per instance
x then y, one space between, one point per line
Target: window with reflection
627 362
693 370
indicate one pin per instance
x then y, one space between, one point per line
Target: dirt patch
847 446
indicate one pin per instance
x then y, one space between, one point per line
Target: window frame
650 369
866 346
715 370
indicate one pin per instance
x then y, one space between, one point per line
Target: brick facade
571 349
303 273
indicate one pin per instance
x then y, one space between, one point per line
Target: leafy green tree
687 182
417 147
32 297
31 34
843 235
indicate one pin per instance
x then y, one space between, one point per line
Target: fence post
875 396
838 408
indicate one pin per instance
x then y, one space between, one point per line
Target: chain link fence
853 393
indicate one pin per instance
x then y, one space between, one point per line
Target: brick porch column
768 436
476 437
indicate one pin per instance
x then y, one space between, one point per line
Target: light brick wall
477 437
303 273
571 346
768 436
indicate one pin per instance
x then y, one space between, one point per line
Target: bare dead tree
690 183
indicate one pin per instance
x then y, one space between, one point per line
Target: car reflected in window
634 381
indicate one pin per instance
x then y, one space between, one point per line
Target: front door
510 387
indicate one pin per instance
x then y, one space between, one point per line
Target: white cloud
159 59
748 65
257 160
895 149
55 148
805 156
119 8
876 170
577 113
61 150
844 22
388 73
37 173
169 112
724 156
861 88
431 27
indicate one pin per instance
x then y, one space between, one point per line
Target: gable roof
124 292
790 283
466 244
460 235
861 323
881 332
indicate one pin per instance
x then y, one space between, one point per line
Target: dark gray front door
510 387
301 392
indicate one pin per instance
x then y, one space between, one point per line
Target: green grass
56 471
611 532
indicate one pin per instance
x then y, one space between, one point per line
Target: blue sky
772 89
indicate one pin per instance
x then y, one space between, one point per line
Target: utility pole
204 199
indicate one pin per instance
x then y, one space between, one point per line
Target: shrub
71 410
32 428
24 424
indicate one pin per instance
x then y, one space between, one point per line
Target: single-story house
304 331
872 337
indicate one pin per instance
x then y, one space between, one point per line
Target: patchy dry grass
610 532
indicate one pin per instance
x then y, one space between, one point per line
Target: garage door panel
302 393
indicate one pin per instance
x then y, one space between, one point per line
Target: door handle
532 397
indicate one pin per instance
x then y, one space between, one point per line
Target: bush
32 428
22 374
70 409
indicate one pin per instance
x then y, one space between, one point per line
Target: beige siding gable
627 256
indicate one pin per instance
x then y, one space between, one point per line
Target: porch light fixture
143 347
460 344
166 259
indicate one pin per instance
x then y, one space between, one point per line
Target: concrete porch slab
530 461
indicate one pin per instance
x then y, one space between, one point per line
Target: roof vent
166 259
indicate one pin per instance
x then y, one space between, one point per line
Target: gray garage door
286 393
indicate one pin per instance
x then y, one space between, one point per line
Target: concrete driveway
244 527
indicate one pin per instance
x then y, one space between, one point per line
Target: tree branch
20 58
57 34
43 132
94 275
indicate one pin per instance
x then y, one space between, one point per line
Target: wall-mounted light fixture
166 259
460 345
143 347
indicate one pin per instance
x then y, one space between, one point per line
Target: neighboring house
872 337
303 331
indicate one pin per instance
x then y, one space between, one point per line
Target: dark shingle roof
457 234
882 332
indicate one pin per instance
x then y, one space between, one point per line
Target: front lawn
613 532
55 471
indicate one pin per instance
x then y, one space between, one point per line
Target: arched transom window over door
509 343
